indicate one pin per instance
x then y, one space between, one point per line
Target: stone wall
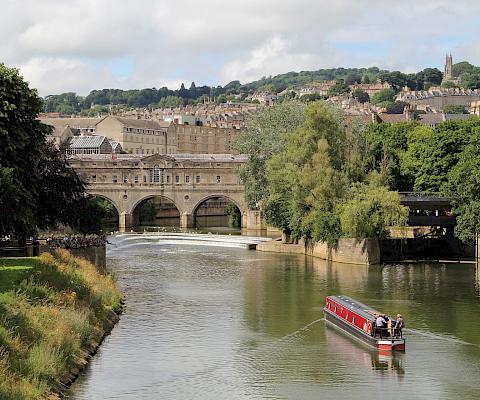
97 255
348 251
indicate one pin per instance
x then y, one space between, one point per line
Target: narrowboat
358 320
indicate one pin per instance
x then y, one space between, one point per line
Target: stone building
437 98
204 139
139 136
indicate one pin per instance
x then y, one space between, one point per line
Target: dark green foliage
361 96
395 107
454 109
147 212
384 95
234 215
95 213
339 88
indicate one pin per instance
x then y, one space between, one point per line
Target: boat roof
355 306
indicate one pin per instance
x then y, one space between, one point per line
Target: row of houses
138 136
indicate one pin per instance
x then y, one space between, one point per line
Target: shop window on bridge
177 179
135 179
197 179
114 178
156 174
168 178
187 178
125 178
218 179
94 178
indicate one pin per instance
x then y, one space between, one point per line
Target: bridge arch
222 209
155 209
97 216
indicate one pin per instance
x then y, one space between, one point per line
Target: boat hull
384 345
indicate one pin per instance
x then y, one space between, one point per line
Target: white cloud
80 45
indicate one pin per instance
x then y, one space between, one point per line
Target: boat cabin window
335 308
353 320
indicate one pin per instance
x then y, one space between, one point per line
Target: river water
207 322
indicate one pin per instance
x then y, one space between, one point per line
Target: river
208 322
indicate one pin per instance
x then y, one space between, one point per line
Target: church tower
447 76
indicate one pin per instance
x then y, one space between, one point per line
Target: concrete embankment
347 251
51 323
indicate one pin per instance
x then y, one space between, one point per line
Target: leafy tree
386 144
170 102
449 85
432 76
395 107
352 78
470 80
361 96
60 190
464 181
395 78
455 109
385 95
234 215
432 152
338 89
458 69
264 136
370 210
37 188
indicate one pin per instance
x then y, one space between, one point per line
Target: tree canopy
37 188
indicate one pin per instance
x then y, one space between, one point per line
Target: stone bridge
186 180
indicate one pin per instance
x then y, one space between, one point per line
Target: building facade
139 136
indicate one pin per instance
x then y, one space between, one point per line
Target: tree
234 215
37 188
339 89
370 210
395 107
361 96
454 109
464 181
470 80
432 76
462 67
383 96
395 78
22 137
352 78
60 190
170 102
264 136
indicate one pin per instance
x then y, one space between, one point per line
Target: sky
80 45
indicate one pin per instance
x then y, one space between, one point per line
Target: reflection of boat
358 320
362 354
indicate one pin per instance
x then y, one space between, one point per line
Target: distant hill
70 103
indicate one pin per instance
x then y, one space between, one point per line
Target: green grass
51 307
13 270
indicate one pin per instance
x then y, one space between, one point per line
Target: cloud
80 45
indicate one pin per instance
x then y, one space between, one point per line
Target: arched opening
156 211
98 215
218 212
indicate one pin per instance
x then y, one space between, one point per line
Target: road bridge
186 180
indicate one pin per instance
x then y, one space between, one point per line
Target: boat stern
389 345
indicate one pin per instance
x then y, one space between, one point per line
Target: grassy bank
50 321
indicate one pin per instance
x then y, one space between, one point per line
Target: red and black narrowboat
358 320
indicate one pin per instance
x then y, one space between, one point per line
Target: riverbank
347 251
51 322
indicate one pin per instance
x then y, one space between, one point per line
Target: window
353 320
168 178
177 179
136 179
156 174
125 178
218 179
144 179
197 179
114 179
187 178
94 178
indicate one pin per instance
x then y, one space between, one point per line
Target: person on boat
399 325
380 324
